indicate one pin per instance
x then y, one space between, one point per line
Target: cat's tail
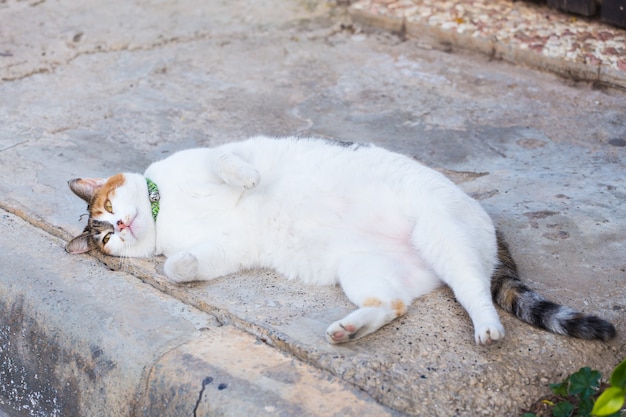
516 298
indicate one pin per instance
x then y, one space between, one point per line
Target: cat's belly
320 265
313 248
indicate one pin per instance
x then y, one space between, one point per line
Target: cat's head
120 216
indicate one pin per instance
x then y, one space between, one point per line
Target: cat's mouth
127 228
130 230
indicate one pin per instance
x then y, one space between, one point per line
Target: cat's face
120 218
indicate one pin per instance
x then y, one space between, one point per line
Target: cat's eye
106 238
108 206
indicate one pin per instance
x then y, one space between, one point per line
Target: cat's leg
371 316
372 283
202 263
463 263
474 294
235 171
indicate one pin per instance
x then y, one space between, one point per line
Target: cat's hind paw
341 333
359 323
181 267
488 333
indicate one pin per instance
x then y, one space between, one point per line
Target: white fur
382 225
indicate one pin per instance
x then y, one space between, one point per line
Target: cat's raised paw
250 179
488 333
237 173
181 267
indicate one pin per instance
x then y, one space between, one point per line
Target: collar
154 197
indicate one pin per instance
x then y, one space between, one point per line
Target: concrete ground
92 88
522 32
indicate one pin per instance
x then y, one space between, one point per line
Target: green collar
153 195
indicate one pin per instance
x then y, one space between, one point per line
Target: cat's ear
80 244
85 188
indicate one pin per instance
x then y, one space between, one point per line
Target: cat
383 226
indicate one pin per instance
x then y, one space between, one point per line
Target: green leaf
560 389
609 402
618 377
585 406
563 409
585 382
529 415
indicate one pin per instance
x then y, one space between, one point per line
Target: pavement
93 88
521 32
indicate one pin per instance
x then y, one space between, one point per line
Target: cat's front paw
182 267
248 177
236 172
488 333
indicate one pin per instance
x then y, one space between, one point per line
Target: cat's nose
121 225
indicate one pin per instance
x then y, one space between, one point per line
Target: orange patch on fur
103 194
399 307
371 302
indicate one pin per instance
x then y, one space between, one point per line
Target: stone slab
78 339
545 156
526 33
230 373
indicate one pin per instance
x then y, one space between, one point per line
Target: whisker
123 257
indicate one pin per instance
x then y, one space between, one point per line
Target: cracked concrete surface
101 88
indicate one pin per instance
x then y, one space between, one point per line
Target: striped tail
515 297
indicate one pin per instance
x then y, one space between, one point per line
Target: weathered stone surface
545 157
227 372
77 339
528 33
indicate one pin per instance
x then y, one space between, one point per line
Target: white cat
383 226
